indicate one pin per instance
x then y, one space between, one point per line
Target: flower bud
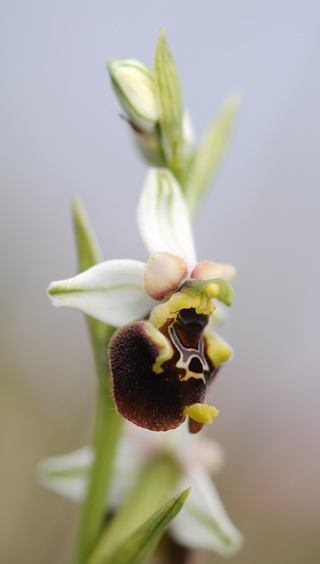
134 86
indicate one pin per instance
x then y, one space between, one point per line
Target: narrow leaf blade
211 151
140 545
87 247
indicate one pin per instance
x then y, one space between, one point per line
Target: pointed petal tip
53 291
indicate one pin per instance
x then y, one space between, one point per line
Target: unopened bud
134 86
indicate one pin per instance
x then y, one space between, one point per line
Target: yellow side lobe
165 348
201 412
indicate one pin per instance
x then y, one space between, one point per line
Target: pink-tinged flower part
206 270
164 356
163 274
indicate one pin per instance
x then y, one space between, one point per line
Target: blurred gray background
61 134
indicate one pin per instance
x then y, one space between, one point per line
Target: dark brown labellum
158 373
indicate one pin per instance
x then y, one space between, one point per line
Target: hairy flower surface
164 356
203 522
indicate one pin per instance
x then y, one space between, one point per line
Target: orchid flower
163 357
202 523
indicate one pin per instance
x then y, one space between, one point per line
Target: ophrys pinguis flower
164 356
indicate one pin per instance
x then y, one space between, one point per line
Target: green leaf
87 247
211 151
169 106
137 548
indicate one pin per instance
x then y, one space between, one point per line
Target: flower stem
107 420
107 430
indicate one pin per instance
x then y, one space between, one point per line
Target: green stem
108 421
107 430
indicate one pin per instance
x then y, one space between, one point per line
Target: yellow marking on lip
166 349
201 412
196 375
217 349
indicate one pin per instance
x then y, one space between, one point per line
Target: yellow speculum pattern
186 298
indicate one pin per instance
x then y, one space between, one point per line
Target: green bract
211 151
169 106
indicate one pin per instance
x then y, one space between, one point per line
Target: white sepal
67 474
110 291
204 523
163 217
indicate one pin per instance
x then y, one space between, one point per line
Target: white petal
66 474
163 217
203 522
110 291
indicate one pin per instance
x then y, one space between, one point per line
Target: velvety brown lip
157 401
